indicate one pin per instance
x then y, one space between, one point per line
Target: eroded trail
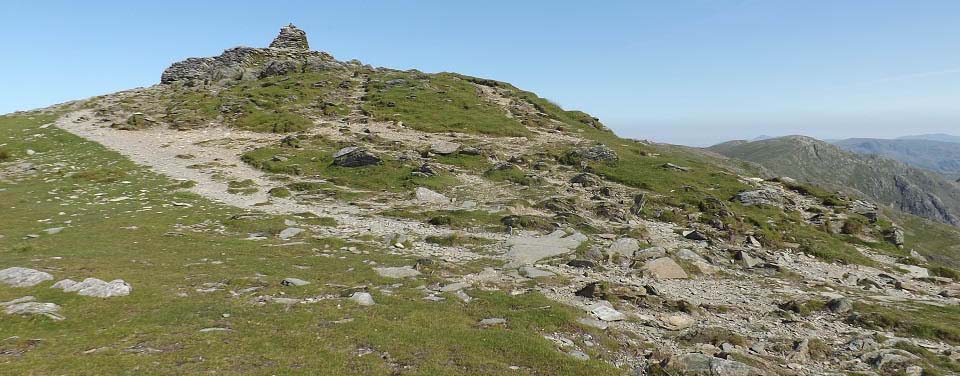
211 158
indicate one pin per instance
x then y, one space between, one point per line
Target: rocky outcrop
915 200
883 181
288 53
598 152
766 196
701 364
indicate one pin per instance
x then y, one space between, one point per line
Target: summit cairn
291 37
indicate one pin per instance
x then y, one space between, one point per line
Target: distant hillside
890 182
933 137
938 156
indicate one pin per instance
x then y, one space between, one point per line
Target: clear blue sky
693 72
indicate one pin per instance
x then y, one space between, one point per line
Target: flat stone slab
526 250
914 271
397 272
625 247
590 321
456 286
606 313
290 281
665 268
290 232
27 306
531 272
444 147
23 277
493 321
95 287
428 196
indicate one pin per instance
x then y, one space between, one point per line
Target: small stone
463 296
625 247
696 235
840 305
606 313
362 298
285 301
586 264
665 268
592 322
427 196
290 281
649 253
493 321
454 287
579 355
64 284
444 147
746 260
355 157
208 330
53 231
290 232
913 371
592 290
677 322
397 272
531 272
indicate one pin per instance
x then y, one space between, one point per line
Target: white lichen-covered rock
427 196
625 247
98 288
605 312
397 272
444 147
526 250
63 284
362 298
23 277
290 232
27 306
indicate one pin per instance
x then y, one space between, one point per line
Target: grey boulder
27 306
702 364
355 157
96 288
23 277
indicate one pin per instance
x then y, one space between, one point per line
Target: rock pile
291 37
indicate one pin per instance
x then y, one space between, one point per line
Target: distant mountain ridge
937 156
890 182
942 137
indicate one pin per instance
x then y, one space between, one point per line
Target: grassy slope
436 103
428 337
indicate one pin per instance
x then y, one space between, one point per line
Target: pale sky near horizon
693 72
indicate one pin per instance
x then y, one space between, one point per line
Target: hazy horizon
694 72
